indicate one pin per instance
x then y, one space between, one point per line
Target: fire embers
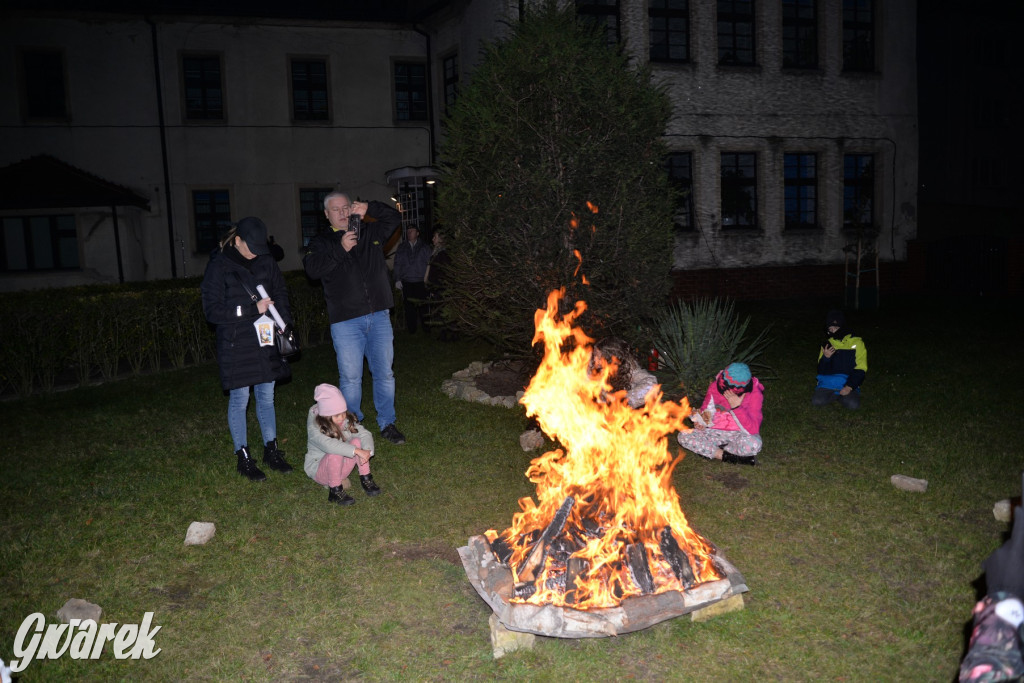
555 568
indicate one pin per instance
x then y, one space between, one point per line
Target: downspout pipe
430 94
117 245
163 145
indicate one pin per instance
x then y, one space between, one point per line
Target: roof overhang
44 182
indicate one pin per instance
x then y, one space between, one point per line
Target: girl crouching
336 444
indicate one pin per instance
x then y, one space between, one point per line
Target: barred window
669 22
310 98
203 87
211 215
739 190
801 190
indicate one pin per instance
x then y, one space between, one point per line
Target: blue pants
238 401
372 337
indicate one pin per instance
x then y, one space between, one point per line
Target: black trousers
414 294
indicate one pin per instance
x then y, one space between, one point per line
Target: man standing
410 267
349 262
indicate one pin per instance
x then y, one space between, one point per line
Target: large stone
732 603
76 608
902 481
531 439
199 533
504 641
1002 510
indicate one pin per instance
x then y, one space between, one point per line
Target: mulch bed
504 378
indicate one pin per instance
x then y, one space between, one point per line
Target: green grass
851 579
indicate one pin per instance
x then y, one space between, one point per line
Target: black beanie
836 318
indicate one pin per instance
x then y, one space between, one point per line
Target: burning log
636 560
536 557
576 566
677 559
501 549
523 590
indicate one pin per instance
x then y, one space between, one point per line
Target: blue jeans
370 336
238 400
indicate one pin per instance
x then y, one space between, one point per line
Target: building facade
793 135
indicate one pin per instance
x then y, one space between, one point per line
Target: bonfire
607 523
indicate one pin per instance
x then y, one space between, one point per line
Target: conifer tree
552 172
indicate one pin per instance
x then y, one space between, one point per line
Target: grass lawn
850 578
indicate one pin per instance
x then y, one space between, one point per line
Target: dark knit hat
835 318
254 233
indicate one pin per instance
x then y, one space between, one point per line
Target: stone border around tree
462 385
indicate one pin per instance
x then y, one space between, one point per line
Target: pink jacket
748 413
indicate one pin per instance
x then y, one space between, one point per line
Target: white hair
335 195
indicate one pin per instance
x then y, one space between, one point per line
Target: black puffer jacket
356 282
228 306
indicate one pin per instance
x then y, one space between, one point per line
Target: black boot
738 459
336 494
247 466
274 458
369 486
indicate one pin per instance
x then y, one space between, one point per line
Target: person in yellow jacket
842 365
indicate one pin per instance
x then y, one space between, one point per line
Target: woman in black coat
232 304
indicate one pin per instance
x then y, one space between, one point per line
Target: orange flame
616 465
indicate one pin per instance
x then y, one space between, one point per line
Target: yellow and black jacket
849 363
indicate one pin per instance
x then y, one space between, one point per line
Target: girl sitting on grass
727 427
336 444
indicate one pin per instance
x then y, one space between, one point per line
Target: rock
902 481
730 604
531 439
1002 510
199 533
504 641
76 608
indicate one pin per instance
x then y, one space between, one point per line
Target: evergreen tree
554 124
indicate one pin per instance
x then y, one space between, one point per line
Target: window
312 218
203 87
451 81
799 34
680 175
211 215
410 91
603 13
43 85
739 190
39 243
858 190
669 30
801 190
991 111
990 173
309 90
413 204
736 32
858 35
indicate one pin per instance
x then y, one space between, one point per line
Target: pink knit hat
329 400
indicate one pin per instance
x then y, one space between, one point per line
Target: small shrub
696 340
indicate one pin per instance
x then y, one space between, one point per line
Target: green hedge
77 335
